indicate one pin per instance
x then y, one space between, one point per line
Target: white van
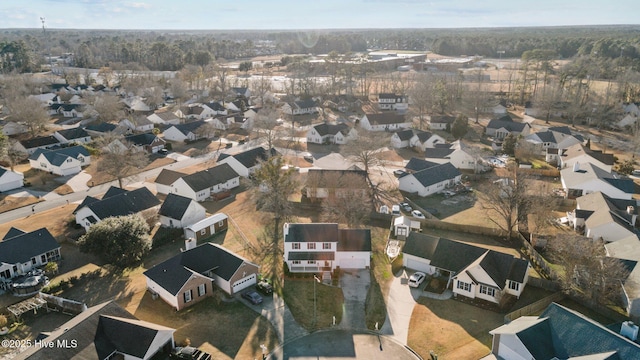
395 210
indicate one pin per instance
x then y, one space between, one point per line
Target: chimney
576 167
629 330
189 244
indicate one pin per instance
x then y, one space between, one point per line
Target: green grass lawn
298 294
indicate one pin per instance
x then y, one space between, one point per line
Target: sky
311 14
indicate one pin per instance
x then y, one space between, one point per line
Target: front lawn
298 294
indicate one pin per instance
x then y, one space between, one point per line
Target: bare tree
206 131
11 154
120 159
421 95
349 204
107 107
29 111
366 151
261 86
546 100
505 201
477 98
588 272
266 126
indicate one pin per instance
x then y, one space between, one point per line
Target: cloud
138 5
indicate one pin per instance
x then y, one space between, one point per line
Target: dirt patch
452 329
55 220
8 202
63 190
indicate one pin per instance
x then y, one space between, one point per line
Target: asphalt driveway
355 285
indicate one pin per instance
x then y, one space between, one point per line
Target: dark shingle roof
424 136
173 273
386 118
626 185
73 133
168 177
502 267
189 127
329 129
21 248
130 202
141 139
437 152
405 134
319 232
354 240
174 206
113 191
337 179
87 200
305 104
250 158
39 141
102 127
115 334
417 164
58 156
436 174
507 123
13 232
565 333
210 177
444 119
444 253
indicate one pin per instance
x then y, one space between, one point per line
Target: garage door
417 265
352 264
244 283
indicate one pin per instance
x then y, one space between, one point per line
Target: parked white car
416 279
418 214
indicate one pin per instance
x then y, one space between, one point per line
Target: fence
472 229
538 262
540 172
534 308
63 305
548 285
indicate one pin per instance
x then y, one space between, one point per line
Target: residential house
21 252
10 180
581 154
562 333
241 91
601 217
400 139
472 271
631 108
165 179
326 183
189 277
148 142
331 134
457 153
165 117
627 121
136 104
61 161
425 140
551 139
203 184
441 122
387 101
66 110
583 179
430 180
503 126
116 203
179 211
207 227
185 132
247 162
33 144
499 110
387 121
325 247
137 124
104 331
76 135
10 128
627 250
301 107
103 128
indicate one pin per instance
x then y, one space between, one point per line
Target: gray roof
305 104
436 174
210 177
250 158
507 123
588 171
13 232
168 177
189 127
417 164
423 135
21 248
174 206
565 333
438 152
318 232
58 156
39 141
405 134
443 119
142 139
354 240
73 133
127 203
337 179
387 118
102 127
173 273
330 129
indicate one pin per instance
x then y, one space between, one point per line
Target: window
326 246
33 261
487 290
295 246
221 223
464 286
203 232
311 246
202 289
43 259
514 285
311 262
295 262
187 296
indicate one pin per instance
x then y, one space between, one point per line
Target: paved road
343 344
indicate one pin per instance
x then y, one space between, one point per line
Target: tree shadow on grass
96 287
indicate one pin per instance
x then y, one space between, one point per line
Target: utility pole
500 52
42 19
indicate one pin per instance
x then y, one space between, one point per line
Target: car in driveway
418 214
395 210
264 287
406 207
189 353
416 279
253 297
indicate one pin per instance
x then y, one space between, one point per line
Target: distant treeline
23 50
